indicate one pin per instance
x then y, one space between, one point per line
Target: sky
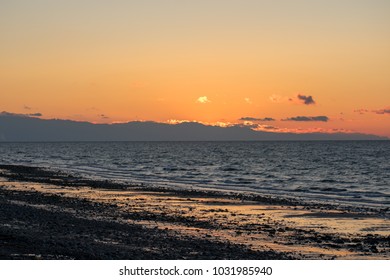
281 65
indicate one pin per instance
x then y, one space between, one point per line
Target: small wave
228 169
333 190
327 181
278 168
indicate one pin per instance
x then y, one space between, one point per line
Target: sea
337 172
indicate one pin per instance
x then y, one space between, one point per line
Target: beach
48 214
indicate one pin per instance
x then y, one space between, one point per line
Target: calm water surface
338 172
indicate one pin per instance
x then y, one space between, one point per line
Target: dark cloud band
308 119
250 119
382 112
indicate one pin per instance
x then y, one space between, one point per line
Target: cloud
103 116
267 119
250 119
4 113
203 99
266 127
385 111
382 111
277 98
307 100
246 124
247 100
174 121
34 115
361 111
218 123
308 119
299 99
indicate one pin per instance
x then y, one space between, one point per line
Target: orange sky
208 61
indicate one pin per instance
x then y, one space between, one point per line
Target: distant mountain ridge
23 128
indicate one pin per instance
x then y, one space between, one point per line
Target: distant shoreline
16 127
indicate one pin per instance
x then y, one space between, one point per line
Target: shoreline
63 178
119 221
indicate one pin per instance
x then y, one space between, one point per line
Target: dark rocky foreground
28 231
41 226
46 214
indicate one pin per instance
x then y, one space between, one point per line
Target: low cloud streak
251 119
382 112
4 113
308 119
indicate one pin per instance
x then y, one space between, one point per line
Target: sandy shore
52 215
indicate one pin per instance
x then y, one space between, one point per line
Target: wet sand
51 215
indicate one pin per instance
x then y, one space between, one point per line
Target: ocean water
342 172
